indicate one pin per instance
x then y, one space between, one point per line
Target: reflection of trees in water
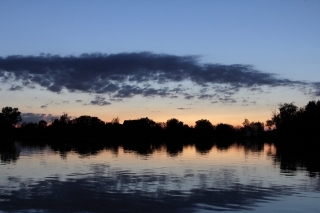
203 148
84 147
289 155
293 157
9 152
253 147
141 148
224 145
174 149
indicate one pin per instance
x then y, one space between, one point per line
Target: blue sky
279 39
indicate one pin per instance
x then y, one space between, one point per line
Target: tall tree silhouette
285 120
204 128
10 116
297 123
252 128
175 128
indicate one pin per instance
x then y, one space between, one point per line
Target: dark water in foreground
241 178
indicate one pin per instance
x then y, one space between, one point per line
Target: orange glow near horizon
156 108
233 117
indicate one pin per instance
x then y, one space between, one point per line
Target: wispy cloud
100 101
126 75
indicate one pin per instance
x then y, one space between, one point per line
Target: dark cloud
317 88
206 96
156 92
55 88
128 91
115 99
227 100
182 108
78 101
100 101
34 117
125 75
15 88
247 103
44 106
255 89
186 96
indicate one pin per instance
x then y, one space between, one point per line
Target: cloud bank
126 75
36 117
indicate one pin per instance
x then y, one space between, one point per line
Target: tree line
144 128
289 121
292 122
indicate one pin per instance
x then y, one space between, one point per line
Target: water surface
241 178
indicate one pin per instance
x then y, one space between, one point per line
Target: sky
218 60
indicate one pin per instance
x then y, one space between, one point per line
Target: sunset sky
218 60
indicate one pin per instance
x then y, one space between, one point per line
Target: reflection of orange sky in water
234 152
238 163
235 160
234 155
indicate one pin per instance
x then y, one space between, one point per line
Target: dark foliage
296 123
290 122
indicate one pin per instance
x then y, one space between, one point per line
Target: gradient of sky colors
220 60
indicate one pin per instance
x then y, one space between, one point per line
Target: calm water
239 178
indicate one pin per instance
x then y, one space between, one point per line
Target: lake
239 177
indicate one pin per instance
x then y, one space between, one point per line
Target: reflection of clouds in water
175 184
129 192
151 181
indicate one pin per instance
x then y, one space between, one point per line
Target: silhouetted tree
174 129
64 119
289 121
204 125
10 116
115 120
293 122
142 128
29 129
86 120
42 124
174 124
246 123
253 126
204 129
286 116
270 124
252 129
225 131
